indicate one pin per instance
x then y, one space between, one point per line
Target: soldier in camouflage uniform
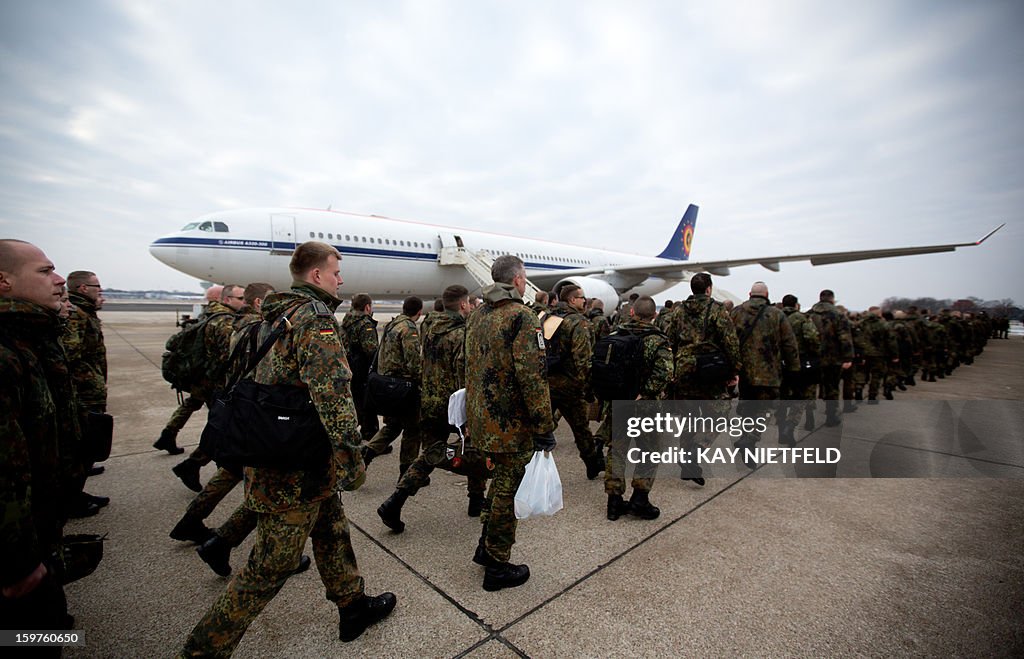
399 356
569 380
804 386
599 325
359 334
508 406
836 351
902 363
38 424
216 337
698 323
768 348
444 373
294 505
664 319
539 304
655 376
87 358
879 348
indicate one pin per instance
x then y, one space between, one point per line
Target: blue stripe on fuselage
265 245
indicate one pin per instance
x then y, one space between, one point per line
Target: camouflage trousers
797 397
574 410
714 402
434 435
212 494
830 377
875 369
280 538
755 402
181 415
499 517
616 461
408 426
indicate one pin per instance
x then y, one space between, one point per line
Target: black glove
545 442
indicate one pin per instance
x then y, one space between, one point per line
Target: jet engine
594 287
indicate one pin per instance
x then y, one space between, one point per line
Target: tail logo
687 238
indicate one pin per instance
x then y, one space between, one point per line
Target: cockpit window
220 227
190 226
206 226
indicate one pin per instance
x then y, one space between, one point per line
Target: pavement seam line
628 550
144 355
492 634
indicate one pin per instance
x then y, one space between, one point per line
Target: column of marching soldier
524 365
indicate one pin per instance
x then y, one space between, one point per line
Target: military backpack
186 364
616 369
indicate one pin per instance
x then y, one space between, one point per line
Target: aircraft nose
163 252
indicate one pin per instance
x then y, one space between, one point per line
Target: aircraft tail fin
678 248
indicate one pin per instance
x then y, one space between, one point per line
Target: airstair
477 264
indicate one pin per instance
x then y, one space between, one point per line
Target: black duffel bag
712 367
264 425
267 425
389 395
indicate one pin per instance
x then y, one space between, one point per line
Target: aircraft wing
668 269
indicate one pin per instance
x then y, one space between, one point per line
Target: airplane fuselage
383 257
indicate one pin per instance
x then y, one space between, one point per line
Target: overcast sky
795 126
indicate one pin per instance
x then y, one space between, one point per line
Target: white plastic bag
540 493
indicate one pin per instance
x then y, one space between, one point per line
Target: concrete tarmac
745 566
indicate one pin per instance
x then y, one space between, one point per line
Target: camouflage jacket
245 320
444 364
507 396
599 325
664 319
876 340
656 371
38 434
687 332
574 342
808 341
87 355
217 336
399 354
834 328
904 339
359 336
309 355
768 343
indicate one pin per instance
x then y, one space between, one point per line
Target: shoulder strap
750 329
707 316
280 327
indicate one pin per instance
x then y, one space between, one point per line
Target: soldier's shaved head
11 255
759 289
645 308
213 293
26 273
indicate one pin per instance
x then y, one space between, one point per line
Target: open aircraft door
282 234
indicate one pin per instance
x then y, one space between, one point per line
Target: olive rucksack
185 363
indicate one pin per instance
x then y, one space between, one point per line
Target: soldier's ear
5 283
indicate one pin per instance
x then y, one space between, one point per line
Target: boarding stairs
477 264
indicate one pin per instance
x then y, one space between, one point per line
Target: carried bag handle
282 325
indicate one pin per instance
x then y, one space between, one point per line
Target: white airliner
389 258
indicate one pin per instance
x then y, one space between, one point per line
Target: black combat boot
692 472
167 442
505 575
888 393
617 507
188 471
215 552
95 470
931 377
368 455
480 556
390 512
82 507
640 506
360 614
595 464
832 413
809 421
476 504
102 502
858 394
900 384
189 529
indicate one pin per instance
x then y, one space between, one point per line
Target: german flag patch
327 332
